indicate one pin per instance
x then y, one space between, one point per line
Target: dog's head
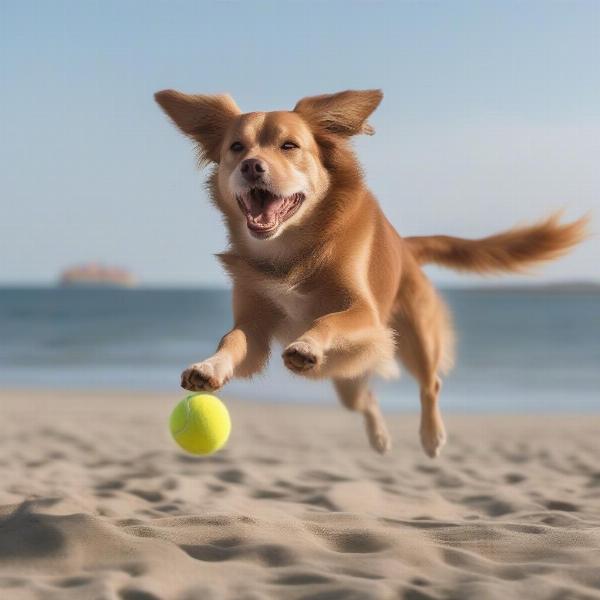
272 168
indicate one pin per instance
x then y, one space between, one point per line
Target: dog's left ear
203 118
344 113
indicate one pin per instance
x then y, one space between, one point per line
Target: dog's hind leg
419 359
424 345
355 395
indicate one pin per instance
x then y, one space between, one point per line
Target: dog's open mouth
265 211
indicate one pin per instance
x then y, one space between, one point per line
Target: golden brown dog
317 266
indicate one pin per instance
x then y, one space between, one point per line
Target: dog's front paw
204 377
302 357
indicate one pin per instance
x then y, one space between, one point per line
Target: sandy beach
97 502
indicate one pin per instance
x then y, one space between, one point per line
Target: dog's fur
323 271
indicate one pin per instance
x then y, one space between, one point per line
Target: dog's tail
508 251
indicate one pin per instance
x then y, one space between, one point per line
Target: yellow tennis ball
200 424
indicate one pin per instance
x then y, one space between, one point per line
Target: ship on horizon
97 275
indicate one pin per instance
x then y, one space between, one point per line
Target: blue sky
491 116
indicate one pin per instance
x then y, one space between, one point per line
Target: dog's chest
297 308
292 303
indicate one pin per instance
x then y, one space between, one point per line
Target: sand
97 502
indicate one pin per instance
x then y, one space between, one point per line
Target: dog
316 265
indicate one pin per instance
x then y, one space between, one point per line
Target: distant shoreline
566 286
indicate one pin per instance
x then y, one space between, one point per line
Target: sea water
517 350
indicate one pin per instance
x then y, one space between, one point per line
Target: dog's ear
345 113
203 118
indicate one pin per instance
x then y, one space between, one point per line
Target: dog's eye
236 147
289 145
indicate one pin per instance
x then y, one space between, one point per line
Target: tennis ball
200 424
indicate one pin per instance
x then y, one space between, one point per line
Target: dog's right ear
203 118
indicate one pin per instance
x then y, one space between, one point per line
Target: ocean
518 350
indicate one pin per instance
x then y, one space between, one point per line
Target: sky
491 117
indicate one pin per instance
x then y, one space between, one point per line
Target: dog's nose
252 169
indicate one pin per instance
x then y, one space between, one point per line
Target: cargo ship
96 275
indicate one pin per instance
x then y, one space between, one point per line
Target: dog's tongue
264 207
